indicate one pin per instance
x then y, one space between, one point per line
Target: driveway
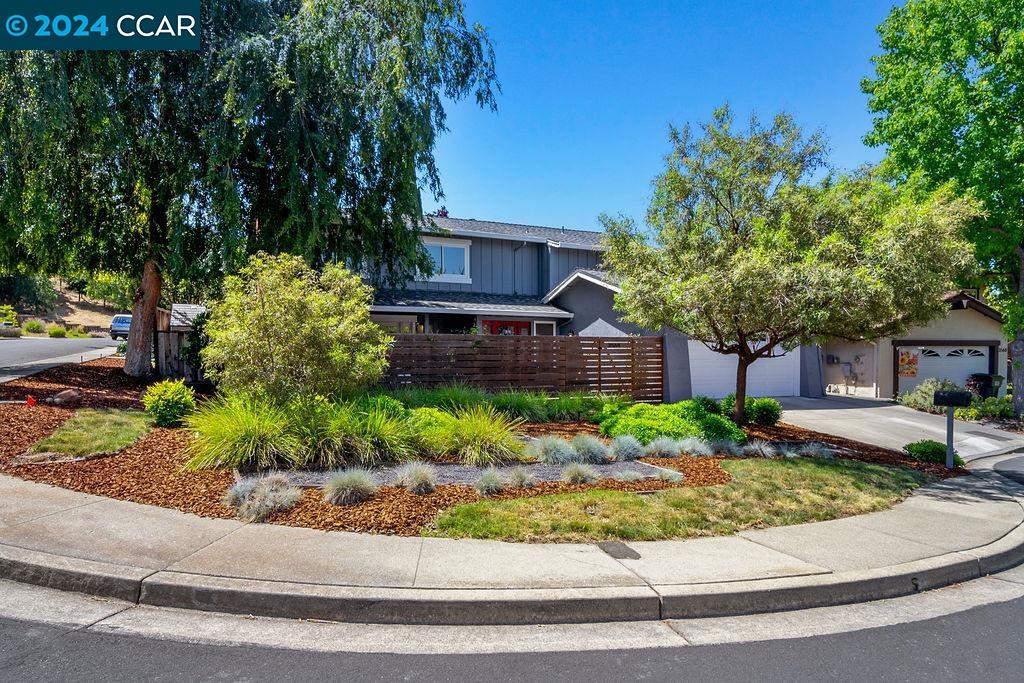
28 355
886 424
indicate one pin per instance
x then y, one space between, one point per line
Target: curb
451 607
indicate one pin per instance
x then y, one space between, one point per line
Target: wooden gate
632 366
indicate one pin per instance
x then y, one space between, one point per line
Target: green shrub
921 397
259 498
381 402
417 477
991 408
928 450
480 436
552 450
763 411
578 473
77 333
56 332
626 447
350 486
7 314
647 422
169 402
590 449
432 430
519 478
242 432
33 327
284 330
489 483
528 405
709 405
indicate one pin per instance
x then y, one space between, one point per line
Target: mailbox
953 399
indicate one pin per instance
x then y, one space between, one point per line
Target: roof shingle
586 239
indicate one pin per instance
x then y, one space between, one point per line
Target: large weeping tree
745 253
948 94
300 125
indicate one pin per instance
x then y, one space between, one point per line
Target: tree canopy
300 125
948 94
747 254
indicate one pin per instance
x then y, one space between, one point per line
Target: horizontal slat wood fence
611 365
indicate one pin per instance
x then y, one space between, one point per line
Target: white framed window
544 328
451 259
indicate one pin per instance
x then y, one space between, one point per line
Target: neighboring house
969 340
506 278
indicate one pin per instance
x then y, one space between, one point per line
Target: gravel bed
461 474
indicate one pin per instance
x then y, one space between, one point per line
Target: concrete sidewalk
946 533
889 425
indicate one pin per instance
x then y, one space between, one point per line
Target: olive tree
284 330
749 256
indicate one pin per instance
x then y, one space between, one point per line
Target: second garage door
945 362
714 374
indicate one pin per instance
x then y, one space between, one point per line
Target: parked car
119 326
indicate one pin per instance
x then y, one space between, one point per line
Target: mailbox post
951 400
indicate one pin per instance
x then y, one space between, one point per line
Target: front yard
454 463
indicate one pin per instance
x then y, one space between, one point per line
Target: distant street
32 354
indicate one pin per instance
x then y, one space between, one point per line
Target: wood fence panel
619 365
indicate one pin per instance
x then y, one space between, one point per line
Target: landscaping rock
68 397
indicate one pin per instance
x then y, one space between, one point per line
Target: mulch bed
103 384
21 426
853 450
566 430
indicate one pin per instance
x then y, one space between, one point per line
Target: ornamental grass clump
816 449
552 450
258 498
384 438
241 432
489 483
480 436
629 476
590 449
416 477
726 447
759 448
663 447
349 487
328 433
575 405
169 402
626 447
700 448
520 478
670 477
578 473
527 405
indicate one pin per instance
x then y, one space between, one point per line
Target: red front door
507 327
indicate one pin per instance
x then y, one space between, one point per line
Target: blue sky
589 88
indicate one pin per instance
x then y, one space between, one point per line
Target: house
969 340
512 279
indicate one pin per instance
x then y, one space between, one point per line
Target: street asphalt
31 350
978 644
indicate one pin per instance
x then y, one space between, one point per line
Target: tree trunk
137 361
1016 348
739 411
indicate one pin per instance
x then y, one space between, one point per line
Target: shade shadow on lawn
763 493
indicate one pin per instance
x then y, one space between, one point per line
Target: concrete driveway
28 355
886 424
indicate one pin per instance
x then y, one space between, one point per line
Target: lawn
95 431
763 493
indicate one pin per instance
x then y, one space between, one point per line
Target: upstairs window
451 259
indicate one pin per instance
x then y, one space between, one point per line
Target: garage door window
968 353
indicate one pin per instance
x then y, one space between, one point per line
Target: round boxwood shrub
169 402
927 450
762 411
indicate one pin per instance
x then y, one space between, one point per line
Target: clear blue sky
589 88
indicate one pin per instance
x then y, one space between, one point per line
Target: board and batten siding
562 262
496 267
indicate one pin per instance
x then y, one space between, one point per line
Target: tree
749 257
284 330
948 95
300 125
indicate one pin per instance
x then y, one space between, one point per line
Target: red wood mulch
853 450
103 384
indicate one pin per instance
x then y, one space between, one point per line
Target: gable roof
963 300
556 237
183 316
601 278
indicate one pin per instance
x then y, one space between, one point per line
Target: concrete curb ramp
780 569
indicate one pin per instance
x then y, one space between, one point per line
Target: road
31 354
969 643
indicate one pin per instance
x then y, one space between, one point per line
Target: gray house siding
496 267
594 315
562 262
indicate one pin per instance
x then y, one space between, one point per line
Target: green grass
763 493
91 432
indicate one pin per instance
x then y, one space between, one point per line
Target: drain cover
620 551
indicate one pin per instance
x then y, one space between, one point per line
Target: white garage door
714 374
945 362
